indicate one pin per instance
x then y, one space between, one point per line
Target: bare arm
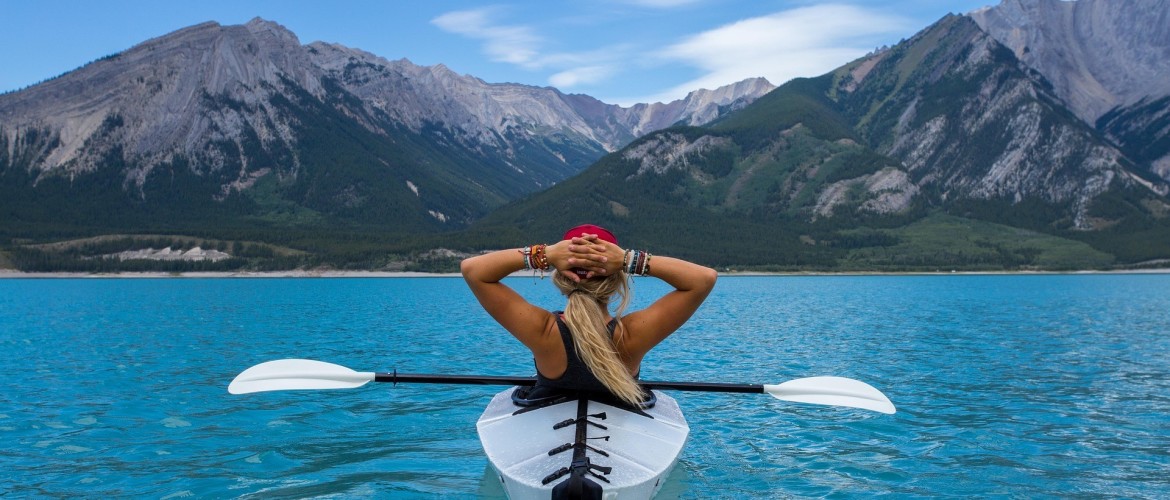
692 283
523 320
647 327
483 274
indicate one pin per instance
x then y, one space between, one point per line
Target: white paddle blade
290 374
835 391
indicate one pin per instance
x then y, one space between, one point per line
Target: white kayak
579 443
564 443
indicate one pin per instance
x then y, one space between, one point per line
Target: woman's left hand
588 252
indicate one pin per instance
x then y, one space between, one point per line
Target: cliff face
1098 54
1106 60
152 102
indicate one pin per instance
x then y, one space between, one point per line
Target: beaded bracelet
636 262
535 258
526 254
539 257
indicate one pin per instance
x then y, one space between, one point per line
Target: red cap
601 232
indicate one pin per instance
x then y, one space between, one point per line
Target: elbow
707 278
467 267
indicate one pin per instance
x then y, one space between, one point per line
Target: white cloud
581 76
502 43
807 41
802 42
520 45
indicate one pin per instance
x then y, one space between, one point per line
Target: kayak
566 444
581 443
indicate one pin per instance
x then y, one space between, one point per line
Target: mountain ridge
873 165
261 53
245 122
947 126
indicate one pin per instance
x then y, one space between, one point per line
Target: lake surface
1025 386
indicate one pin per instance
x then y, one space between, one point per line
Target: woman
584 347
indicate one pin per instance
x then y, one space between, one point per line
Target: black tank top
577 376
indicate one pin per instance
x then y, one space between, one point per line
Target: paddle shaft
421 378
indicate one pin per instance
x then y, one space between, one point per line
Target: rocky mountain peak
703 105
728 93
150 101
262 27
482 113
1098 54
996 133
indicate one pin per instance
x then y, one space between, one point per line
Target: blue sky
619 51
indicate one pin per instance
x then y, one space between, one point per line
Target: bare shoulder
650 326
548 339
634 333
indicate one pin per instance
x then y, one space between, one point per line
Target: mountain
220 125
486 114
949 150
970 123
697 108
245 127
1105 59
878 164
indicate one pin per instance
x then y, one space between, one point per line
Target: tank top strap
577 375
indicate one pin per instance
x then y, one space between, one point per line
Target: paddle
290 374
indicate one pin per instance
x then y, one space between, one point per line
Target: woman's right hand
611 253
596 256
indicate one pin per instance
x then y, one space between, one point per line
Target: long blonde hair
585 315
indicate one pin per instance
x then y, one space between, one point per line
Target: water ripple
1012 386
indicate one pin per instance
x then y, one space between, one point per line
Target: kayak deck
628 452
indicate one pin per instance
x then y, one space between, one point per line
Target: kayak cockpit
574 443
537 397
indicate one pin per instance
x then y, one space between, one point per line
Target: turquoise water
1026 386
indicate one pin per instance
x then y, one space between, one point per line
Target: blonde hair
585 315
